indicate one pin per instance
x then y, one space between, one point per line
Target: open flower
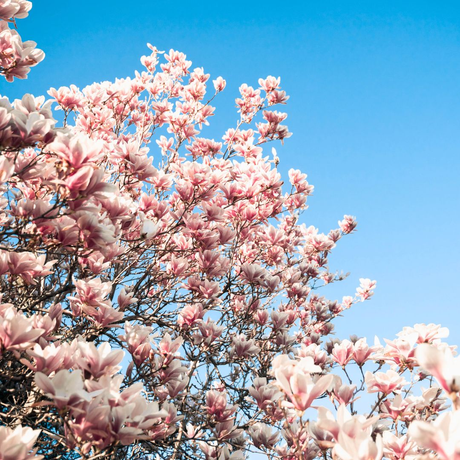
384 382
441 436
352 434
295 379
65 388
17 332
17 444
441 364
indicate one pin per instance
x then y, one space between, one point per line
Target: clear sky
374 108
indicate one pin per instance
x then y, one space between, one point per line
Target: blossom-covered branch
16 56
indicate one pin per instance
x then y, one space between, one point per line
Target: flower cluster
16 56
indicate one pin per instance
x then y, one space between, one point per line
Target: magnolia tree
160 296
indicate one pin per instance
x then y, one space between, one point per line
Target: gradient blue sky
374 108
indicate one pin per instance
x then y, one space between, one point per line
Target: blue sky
374 108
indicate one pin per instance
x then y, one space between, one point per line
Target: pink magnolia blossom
342 353
352 435
266 395
16 56
14 9
17 332
400 351
262 435
442 436
342 393
320 356
441 364
138 339
50 358
398 408
67 98
384 382
295 379
17 443
65 388
216 405
97 362
362 351
270 83
190 315
244 348
219 84
27 265
425 333
398 447
348 224
365 290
